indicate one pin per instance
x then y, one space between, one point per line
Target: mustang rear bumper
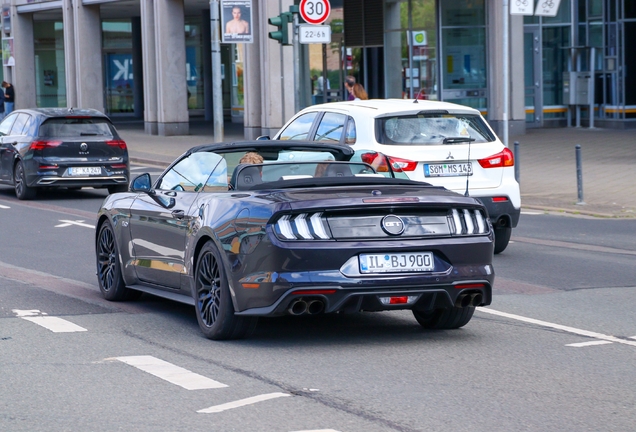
337 299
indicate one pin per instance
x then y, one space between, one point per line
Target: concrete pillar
172 92
516 116
69 53
253 112
22 75
148 53
276 70
88 56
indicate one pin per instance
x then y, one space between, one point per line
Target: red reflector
118 166
314 292
499 199
117 143
466 286
41 145
251 285
45 167
399 300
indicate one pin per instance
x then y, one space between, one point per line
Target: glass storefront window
194 62
50 70
563 14
463 13
117 50
555 62
464 58
411 53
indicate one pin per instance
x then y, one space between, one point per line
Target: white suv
435 142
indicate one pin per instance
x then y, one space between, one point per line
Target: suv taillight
41 145
402 165
502 159
117 143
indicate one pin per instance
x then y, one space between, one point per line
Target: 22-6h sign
315 11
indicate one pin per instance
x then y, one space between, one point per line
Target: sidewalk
546 160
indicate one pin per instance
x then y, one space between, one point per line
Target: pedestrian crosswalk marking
242 402
171 373
54 324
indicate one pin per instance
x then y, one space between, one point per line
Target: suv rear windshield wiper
455 140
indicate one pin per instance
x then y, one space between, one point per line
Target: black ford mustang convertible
304 228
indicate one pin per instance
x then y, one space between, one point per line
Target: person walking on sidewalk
9 97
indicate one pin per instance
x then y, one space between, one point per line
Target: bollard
579 174
516 155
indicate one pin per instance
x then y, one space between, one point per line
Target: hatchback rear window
432 129
74 127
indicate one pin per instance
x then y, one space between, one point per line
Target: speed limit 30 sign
315 11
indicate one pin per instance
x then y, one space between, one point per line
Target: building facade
151 60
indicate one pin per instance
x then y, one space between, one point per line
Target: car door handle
178 214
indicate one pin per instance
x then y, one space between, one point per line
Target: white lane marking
586 344
526 212
573 330
4 207
242 402
171 373
632 337
67 223
55 324
318 430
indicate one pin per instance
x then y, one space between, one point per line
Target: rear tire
444 319
213 303
109 277
22 190
117 189
502 238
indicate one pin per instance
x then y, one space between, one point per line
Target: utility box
578 88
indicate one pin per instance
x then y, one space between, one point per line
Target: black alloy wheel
109 277
213 303
22 190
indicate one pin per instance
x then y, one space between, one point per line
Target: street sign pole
217 93
296 62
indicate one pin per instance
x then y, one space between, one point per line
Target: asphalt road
554 351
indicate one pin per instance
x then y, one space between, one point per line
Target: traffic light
282 34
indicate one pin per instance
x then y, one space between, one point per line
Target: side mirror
142 183
263 138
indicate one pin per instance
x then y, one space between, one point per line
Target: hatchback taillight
502 159
117 143
41 145
376 160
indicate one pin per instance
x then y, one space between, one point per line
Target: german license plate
82 171
448 170
396 262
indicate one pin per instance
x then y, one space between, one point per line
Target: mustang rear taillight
504 158
467 222
302 227
43 144
117 143
402 165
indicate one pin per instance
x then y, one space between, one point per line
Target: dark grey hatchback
61 147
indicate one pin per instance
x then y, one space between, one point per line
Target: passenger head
251 158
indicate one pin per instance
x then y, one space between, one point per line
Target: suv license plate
448 170
396 262
80 171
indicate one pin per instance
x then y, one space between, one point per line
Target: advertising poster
7 52
236 21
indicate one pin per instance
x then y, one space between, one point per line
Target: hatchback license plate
448 170
80 171
396 262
